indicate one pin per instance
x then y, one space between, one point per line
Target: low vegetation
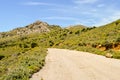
23 55
20 65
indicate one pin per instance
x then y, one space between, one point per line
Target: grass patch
22 66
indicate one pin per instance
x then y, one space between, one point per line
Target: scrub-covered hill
23 50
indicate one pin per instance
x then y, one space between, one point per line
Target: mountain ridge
36 27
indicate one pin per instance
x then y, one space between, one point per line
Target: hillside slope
38 36
99 39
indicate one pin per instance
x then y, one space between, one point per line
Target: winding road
62 64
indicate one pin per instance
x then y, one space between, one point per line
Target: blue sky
18 13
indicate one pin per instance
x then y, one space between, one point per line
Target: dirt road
64 64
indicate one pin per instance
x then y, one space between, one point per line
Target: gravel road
62 64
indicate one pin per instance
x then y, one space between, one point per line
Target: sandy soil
62 64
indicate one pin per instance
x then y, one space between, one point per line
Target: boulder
108 55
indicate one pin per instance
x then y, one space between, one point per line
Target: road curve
62 64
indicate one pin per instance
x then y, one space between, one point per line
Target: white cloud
60 18
84 1
61 10
36 3
97 15
108 19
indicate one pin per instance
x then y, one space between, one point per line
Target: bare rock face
109 55
37 27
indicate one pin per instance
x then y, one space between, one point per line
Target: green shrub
116 55
17 74
34 45
1 57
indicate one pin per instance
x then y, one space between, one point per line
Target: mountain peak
36 27
37 24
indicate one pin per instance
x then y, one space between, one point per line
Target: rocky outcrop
36 27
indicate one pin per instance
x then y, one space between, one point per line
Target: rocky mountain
36 27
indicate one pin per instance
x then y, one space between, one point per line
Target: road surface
62 64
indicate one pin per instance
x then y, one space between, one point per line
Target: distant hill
36 27
76 27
